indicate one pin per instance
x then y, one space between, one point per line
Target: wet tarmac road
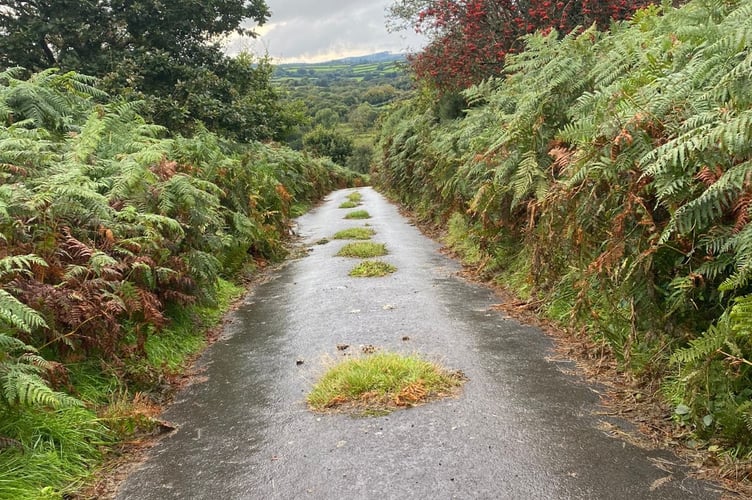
521 429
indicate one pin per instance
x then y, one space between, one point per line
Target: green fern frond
15 314
713 269
146 273
19 264
10 345
714 201
169 226
76 272
100 260
746 411
741 316
705 346
28 390
203 266
528 179
20 377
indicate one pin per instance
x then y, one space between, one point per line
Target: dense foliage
166 53
339 104
469 39
330 143
108 229
607 176
127 200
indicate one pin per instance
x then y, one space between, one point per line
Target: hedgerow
607 175
110 226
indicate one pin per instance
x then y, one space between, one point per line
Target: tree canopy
167 53
328 142
469 39
88 35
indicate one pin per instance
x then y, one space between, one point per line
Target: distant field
358 70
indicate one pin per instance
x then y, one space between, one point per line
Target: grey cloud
287 9
310 30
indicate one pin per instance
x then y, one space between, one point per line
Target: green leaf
682 409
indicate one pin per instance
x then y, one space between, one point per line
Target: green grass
372 269
358 214
362 250
299 208
339 73
514 274
55 452
186 335
355 233
381 382
355 197
348 204
460 239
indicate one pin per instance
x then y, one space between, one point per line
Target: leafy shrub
126 220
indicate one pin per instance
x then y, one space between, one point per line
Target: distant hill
378 57
382 67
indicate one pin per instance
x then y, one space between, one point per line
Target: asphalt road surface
522 428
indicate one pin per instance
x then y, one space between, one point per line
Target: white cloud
324 30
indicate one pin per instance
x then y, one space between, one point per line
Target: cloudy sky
321 30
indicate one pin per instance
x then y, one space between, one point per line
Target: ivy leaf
682 409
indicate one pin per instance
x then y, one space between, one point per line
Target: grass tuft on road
362 250
348 204
382 382
355 197
355 233
358 214
372 269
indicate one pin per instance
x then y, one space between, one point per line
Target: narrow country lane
521 428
